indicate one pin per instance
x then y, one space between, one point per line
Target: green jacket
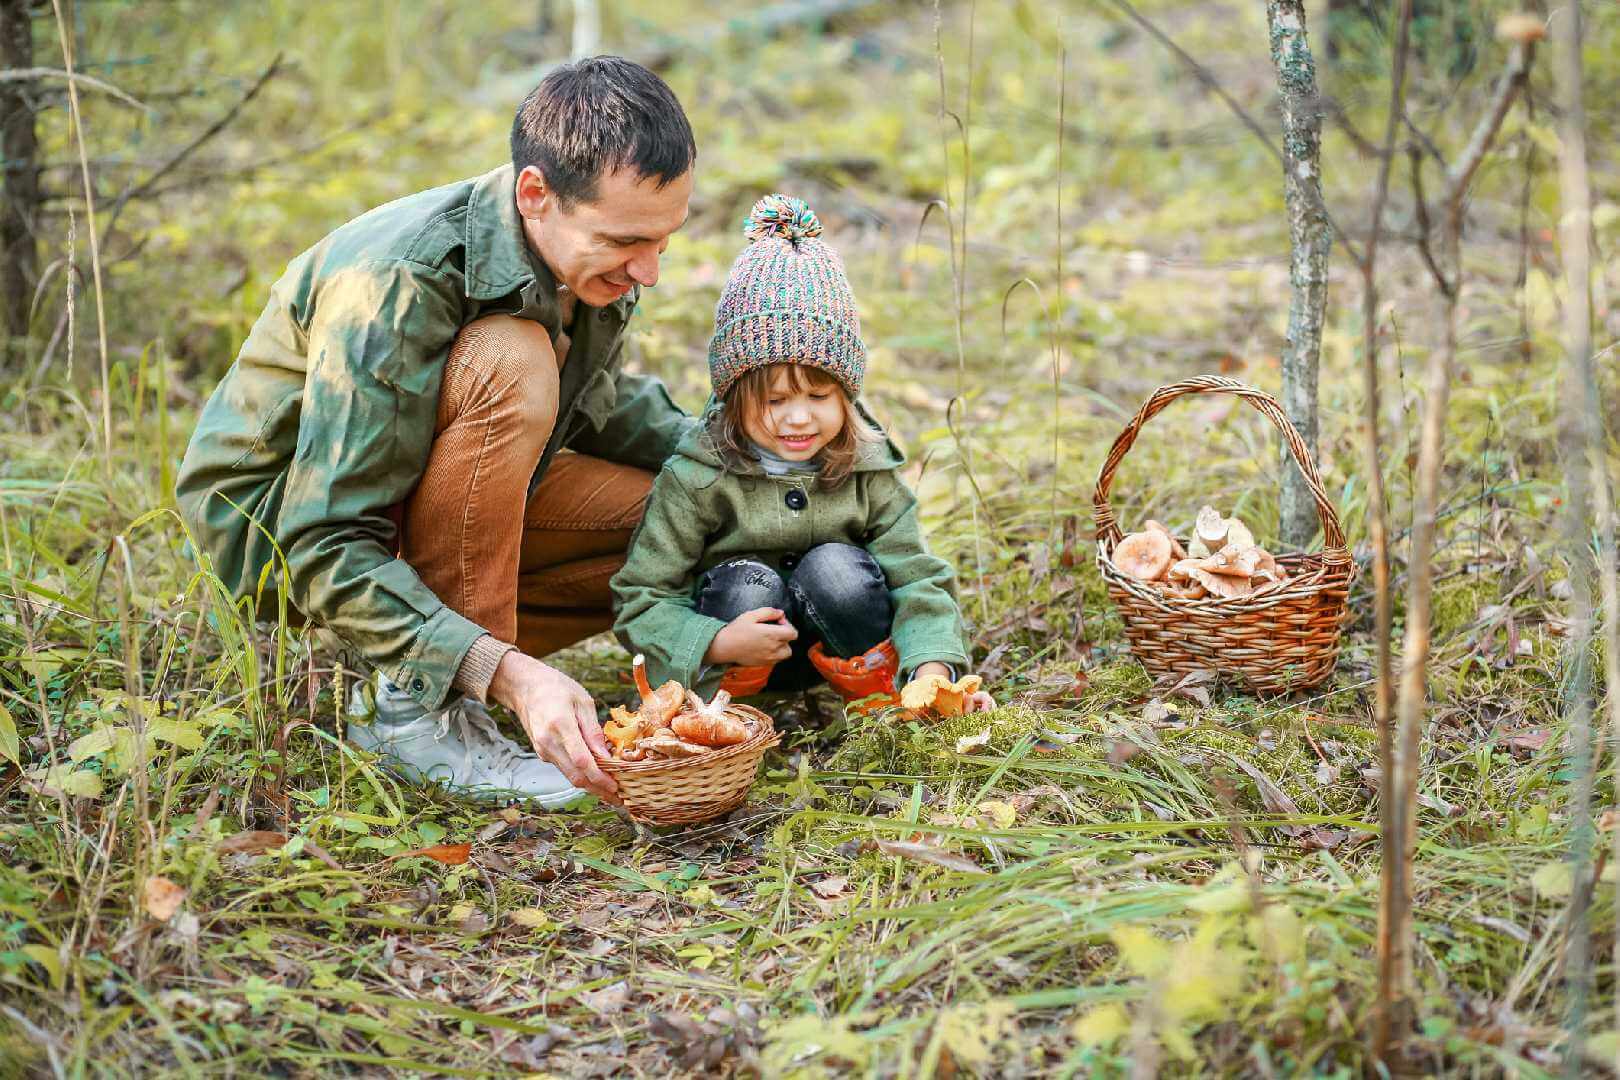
327 416
701 513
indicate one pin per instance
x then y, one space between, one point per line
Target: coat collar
499 261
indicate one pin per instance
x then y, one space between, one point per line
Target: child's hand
978 701
754 638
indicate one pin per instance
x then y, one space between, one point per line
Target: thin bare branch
72 78
146 186
1508 85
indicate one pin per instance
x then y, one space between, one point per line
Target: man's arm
640 429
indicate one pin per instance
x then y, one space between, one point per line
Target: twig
146 186
1508 85
1213 84
1420 204
95 244
35 74
1385 1020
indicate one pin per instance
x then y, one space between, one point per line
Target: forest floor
1124 875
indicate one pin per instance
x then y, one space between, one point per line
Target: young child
780 546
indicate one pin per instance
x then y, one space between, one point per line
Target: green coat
700 514
327 416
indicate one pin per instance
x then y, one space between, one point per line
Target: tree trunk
1310 236
19 193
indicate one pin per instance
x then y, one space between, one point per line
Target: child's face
797 423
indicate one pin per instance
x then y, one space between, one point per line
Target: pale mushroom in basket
1188 589
1235 561
1238 533
1144 556
1227 588
1211 528
1197 549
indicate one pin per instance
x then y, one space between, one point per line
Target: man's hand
560 718
760 636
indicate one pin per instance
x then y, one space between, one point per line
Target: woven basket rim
764 738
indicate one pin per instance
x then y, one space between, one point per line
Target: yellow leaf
971 1032
460 913
1224 893
96 742
180 734
10 746
47 958
1001 814
63 778
1101 1026
1141 951
532 918
1554 879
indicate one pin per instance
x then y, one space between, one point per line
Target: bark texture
1310 237
19 192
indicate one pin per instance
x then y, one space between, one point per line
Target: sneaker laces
475 725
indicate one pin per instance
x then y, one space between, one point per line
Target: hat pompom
783 217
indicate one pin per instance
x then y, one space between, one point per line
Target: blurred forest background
1067 899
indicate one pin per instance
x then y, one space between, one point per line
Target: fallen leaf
1121 750
1531 739
492 830
830 888
1156 712
1001 814
608 1000
252 842
449 854
967 744
530 918
163 898
928 853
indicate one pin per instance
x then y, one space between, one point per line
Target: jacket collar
499 261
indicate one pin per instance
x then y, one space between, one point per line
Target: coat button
796 499
789 562
418 685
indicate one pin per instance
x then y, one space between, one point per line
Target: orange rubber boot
871 673
746 681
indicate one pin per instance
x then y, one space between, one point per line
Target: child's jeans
834 593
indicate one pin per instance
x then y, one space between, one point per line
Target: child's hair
749 396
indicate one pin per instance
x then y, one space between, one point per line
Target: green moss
1457 603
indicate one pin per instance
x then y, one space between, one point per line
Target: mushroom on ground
1144 556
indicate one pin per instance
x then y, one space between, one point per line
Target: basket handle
1333 550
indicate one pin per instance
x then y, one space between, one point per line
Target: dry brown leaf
163 898
830 888
928 853
449 854
252 842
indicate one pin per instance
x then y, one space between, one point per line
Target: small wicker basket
1284 636
681 791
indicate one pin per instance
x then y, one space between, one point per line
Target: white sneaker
458 746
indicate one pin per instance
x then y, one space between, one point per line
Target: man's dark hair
596 115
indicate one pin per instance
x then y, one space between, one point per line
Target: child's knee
739 585
843 581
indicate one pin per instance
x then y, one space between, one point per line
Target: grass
1113 881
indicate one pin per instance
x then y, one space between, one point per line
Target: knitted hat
786 300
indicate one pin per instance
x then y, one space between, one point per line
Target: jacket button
796 499
789 562
418 685
603 314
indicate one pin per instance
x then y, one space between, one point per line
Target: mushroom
937 694
657 706
1221 585
1176 550
1197 549
1144 556
1238 533
1192 590
1235 561
709 724
1211 528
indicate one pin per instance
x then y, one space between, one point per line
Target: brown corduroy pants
533 570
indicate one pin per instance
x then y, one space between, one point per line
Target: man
429 442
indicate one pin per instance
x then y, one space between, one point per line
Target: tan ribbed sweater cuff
478 667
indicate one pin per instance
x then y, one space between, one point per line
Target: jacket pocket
596 401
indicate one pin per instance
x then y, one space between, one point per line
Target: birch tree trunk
19 191
1310 236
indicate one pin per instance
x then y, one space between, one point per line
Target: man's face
601 248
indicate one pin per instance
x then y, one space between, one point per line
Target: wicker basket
680 791
1283 636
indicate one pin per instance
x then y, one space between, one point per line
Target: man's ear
534 195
